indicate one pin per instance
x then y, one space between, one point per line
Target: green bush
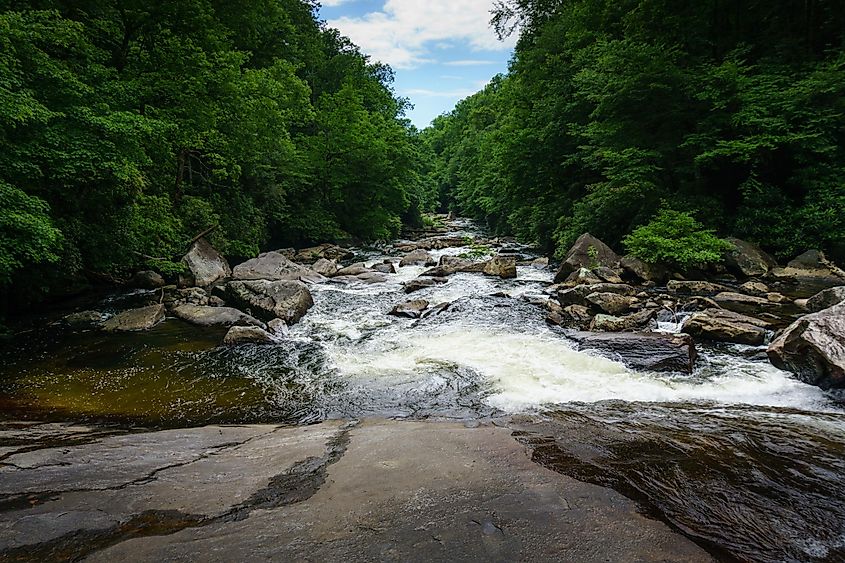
675 238
27 234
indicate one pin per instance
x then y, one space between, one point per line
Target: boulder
273 266
84 320
587 252
147 279
248 335
826 299
205 264
747 260
695 287
578 295
754 288
267 300
132 320
641 350
501 266
418 257
637 269
571 316
813 347
815 261
331 252
540 263
368 276
385 268
726 326
214 316
609 323
607 275
436 310
325 267
457 264
611 303
741 303
354 270
422 283
411 309
582 276
277 327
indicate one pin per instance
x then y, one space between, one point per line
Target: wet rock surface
378 490
643 350
268 300
143 318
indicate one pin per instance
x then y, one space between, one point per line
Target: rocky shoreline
618 306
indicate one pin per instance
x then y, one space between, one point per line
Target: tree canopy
733 112
127 127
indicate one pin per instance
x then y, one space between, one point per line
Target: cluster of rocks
741 301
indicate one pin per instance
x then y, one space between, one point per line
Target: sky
441 50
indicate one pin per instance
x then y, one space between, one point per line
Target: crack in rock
297 484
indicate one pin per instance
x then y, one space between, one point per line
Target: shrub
675 238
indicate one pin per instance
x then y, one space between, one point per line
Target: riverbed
739 456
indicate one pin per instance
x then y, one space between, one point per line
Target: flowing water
739 455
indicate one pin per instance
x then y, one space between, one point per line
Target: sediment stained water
739 455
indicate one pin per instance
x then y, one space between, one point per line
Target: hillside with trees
618 114
128 128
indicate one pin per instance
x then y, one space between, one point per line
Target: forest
680 117
128 128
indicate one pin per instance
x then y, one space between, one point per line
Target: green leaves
675 238
27 234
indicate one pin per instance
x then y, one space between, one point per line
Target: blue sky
441 50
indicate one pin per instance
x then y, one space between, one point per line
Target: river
739 455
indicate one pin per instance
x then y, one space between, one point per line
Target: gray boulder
418 257
206 264
810 273
423 283
331 252
133 320
325 267
611 303
630 323
501 266
581 276
572 316
747 260
587 252
214 316
641 350
746 304
637 269
411 309
385 268
268 300
147 279
248 335
726 326
813 347
273 266
826 299
695 287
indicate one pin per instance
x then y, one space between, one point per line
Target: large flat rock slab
371 491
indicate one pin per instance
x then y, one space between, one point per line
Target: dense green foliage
127 127
675 238
733 111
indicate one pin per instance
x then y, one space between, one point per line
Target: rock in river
587 252
144 318
215 316
641 350
418 258
206 264
726 326
611 303
825 299
813 347
412 309
746 259
502 266
274 266
422 283
267 300
248 335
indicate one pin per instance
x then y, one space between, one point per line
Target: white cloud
404 31
469 62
